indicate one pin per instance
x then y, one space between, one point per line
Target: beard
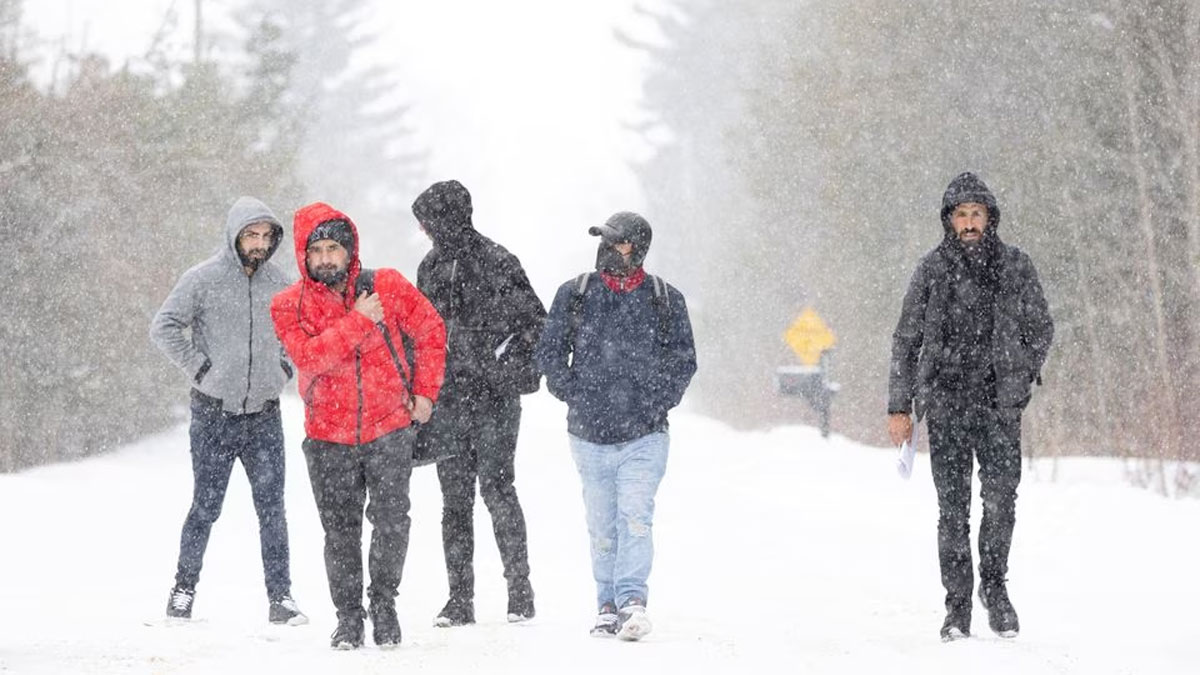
330 275
970 243
253 258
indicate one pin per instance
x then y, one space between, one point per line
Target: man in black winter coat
974 331
493 320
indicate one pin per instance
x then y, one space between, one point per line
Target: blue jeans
218 440
619 484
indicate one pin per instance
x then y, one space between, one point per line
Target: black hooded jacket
972 319
493 317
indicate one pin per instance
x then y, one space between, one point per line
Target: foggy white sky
523 101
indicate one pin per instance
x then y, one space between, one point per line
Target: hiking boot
283 610
632 621
958 621
385 627
349 632
455 613
179 603
606 621
1002 618
520 601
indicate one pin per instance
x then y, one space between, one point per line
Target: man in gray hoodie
216 326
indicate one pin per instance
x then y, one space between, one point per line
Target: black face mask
609 261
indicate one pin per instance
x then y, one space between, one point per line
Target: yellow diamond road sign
808 336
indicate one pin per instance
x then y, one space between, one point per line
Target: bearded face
254 244
328 262
969 220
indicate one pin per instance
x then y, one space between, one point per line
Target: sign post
812 341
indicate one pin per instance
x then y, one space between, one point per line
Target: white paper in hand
504 345
907 455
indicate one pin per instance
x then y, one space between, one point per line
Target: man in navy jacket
617 348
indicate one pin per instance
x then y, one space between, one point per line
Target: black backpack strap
365 283
575 309
662 307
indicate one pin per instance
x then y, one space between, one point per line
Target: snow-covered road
777 552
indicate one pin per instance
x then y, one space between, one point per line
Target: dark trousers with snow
481 432
344 479
218 439
957 435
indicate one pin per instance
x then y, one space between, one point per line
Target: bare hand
422 409
899 427
370 307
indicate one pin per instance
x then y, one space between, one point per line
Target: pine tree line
114 182
810 143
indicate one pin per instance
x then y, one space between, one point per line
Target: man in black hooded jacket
493 321
973 334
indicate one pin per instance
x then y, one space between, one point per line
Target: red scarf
624 284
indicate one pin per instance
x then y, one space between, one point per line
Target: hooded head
622 227
317 222
966 187
444 211
247 211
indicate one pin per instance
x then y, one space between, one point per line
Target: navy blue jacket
620 379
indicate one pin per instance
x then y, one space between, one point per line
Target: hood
967 187
305 221
247 211
444 210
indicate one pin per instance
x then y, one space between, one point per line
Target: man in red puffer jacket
359 408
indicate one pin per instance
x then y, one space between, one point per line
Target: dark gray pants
219 439
957 436
481 432
344 478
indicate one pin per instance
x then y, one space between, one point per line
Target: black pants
956 436
481 431
343 478
218 440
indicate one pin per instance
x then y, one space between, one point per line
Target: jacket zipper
250 364
358 378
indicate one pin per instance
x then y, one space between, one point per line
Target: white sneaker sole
636 627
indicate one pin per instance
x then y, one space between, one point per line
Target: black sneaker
179 603
606 621
1002 618
958 622
349 632
520 601
385 627
283 610
455 613
632 620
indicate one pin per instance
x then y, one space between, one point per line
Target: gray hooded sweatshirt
216 323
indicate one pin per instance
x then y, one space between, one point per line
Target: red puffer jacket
347 377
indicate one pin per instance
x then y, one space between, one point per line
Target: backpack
662 309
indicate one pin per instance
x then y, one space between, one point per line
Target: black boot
385 627
1002 618
958 620
455 613
520 600
349 632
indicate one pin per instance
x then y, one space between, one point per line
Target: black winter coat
488 305
1021 329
